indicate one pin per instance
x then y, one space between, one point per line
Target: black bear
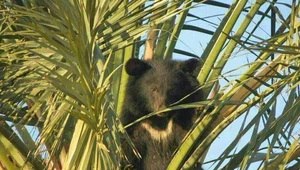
153 86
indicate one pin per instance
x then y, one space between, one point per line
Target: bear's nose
158 106
163 114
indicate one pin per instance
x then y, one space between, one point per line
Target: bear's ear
191 66
136 67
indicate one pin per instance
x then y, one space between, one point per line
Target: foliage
62 81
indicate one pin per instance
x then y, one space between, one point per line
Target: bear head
157 84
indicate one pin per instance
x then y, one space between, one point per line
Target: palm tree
62 80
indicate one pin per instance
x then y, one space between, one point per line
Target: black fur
153 86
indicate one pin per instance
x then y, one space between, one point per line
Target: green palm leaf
62 81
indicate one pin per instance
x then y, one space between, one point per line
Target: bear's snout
159 105
163 114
